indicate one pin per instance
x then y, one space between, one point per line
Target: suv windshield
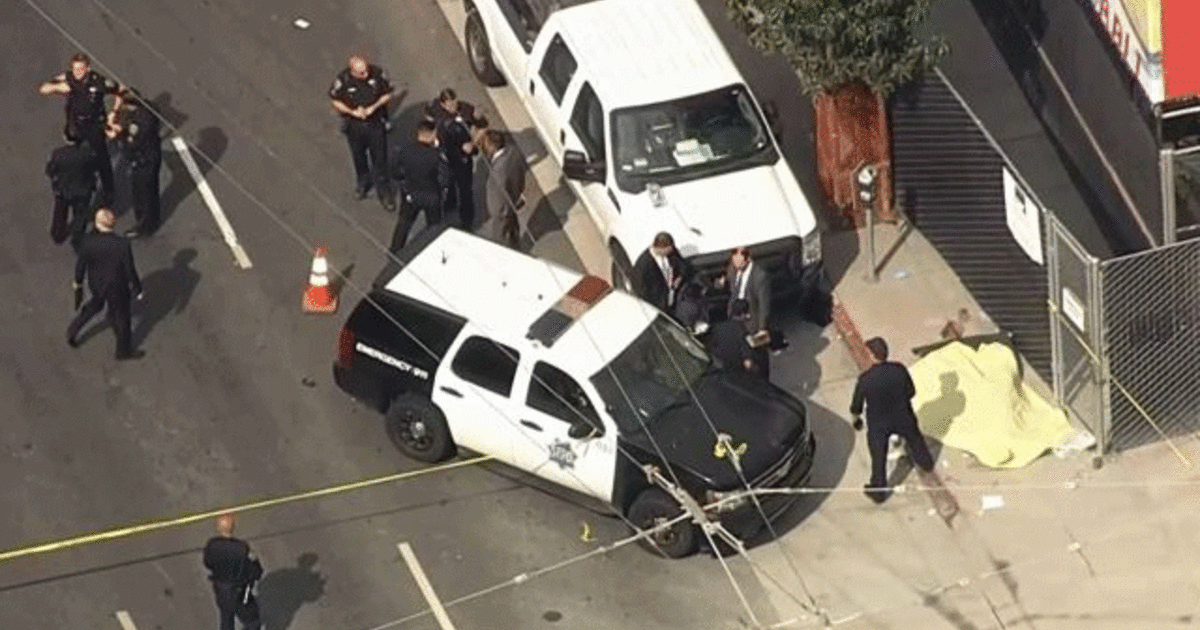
689 138
656 371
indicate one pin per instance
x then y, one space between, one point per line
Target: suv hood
717 213
752 411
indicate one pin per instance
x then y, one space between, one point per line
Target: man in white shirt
660 273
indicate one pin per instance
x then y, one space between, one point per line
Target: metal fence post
1052 299
1166 170
1100 365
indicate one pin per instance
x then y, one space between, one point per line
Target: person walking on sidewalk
233 570
887 389
107 261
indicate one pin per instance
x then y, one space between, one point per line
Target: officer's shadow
281 593
166 290
944 409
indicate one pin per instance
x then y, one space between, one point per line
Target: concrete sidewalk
1070 546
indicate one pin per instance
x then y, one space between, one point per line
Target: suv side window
558 66
488 364
554 392
587 119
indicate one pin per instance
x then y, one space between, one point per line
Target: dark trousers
409 209
368 149
117 307
79 208
877 443
232 599
143 188
462 195
93 134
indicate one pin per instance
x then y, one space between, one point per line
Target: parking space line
439 612
125 620
210 200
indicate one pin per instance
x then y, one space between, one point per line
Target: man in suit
749 283
660 272
728 342
107 261
505 191
887 389
72 170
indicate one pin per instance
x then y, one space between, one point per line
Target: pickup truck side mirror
576 166
582 430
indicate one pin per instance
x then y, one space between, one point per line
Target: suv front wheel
417 427
479 51
654 507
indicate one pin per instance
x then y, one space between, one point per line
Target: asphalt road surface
234 399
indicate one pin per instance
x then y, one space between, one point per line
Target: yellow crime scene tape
122 532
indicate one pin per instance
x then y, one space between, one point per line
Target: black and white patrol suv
464 343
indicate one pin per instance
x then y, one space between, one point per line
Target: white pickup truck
654 128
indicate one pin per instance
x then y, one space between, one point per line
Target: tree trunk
852 131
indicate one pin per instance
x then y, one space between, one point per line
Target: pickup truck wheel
479 52
417 427
622 269
653 507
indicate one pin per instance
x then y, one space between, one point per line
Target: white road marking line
439 612
125 620
210 200
582 232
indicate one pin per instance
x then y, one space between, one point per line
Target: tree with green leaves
832 43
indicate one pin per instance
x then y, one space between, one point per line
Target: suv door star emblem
561 454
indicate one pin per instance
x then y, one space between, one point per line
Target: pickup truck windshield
656 371
689 138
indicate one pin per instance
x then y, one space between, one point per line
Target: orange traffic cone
319 297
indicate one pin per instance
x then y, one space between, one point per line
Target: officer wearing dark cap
233 570
86 91
72 173
425 180
141 145
361 93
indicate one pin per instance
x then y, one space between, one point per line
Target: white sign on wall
1073 309
1024 217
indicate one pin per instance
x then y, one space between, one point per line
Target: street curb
850 335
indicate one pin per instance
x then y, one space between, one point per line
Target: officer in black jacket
887 389
107 261
72 173
457 123
138 129
361 93
233 570
425 179
86 91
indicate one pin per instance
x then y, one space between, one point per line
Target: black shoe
136 354
73 342
878 495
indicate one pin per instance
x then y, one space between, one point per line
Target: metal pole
873 274
1166 170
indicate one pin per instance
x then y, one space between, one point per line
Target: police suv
463 343
654 129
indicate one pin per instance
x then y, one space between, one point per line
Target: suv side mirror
582 430
577 167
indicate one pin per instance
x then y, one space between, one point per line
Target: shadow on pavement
282 592
166 290
211 145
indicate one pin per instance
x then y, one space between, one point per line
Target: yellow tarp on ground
973 400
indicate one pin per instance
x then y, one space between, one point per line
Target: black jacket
651 285
423 172
229 561
355 92
454 130
887 390
140 141
107 261
72 170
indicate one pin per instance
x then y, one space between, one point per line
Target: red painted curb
850 335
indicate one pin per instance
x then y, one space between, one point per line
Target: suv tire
479 51
418 429
654 506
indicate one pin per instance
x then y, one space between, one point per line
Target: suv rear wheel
417 427
653 507
479 51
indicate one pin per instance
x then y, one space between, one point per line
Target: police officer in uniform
361 93
456 121
141 145
86 90
425 180
107 261
72 173
233 570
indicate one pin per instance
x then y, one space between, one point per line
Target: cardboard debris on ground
974 400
